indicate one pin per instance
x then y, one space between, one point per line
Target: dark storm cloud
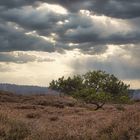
73 27
16 3
13 40
130 37
31 18
84 35
20 58
45 24
135 23
92 50
111 8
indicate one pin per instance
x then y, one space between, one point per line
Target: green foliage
123 99
101 81
97 80
90 95
92 86
67 85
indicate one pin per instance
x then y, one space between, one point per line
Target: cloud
15 40
42 28
32 18
105 34
121 63
113 8
20 57
4 68
16 3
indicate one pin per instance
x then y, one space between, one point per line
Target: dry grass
12 129
126 127
62 118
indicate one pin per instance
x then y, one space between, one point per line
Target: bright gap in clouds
37 73
51 7
107 26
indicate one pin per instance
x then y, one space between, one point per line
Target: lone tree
95 87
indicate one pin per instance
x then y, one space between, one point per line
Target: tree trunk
98 105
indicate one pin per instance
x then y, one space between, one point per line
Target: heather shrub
12 129
126 127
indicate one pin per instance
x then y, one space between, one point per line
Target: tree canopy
99 81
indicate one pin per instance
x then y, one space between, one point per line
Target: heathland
54 117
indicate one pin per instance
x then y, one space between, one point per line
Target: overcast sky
41 40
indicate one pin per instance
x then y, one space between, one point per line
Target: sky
42 40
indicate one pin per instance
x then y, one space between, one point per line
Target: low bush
122 99
33 115
120 107
53 118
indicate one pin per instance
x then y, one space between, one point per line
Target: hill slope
24 89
